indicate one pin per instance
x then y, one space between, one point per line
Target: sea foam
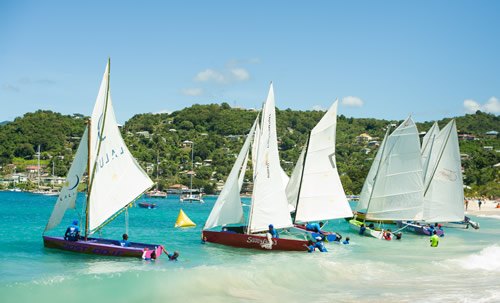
487 259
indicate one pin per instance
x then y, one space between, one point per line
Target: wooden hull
253 241
101 247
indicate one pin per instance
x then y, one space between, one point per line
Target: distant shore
488 208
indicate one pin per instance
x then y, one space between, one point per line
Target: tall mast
89 123
38 170
192 171
302 176
94 165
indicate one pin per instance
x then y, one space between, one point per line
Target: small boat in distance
155 193
193 195
146 205
115 180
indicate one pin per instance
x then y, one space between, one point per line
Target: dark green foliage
218 132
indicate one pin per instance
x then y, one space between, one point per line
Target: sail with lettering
444 195
116 177
269 202
269 205
114 181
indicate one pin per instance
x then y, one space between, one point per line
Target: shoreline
488 208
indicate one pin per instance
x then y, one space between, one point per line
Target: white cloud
10 88
491 106
192 91
210 75
319 108
163 111
240 74
231 73
352 101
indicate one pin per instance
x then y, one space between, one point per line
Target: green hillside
218 132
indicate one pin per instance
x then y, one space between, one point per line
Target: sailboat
192 196
393 189
269 203
315 192
115 180
443 183
156 193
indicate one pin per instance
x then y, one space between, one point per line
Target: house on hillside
492 134
364 137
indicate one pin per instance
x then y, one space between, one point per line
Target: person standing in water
434 240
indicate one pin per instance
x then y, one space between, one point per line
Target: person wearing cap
273 232
72 232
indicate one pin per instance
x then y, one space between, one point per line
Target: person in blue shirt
124 242
346 241
319 245
171 256
273 232
72 232
310 246
315 227
362 229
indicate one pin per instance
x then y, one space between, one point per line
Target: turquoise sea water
464 268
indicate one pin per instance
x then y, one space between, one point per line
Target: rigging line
301 177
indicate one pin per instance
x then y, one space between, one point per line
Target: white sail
367 189
241 178
397 192
444 195
427 145
255 146
69 191
292 188
321 195
227 208
269 202
117 178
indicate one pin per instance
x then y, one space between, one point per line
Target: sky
381 59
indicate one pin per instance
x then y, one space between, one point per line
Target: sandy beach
488 208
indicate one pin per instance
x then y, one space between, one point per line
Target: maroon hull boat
253 241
